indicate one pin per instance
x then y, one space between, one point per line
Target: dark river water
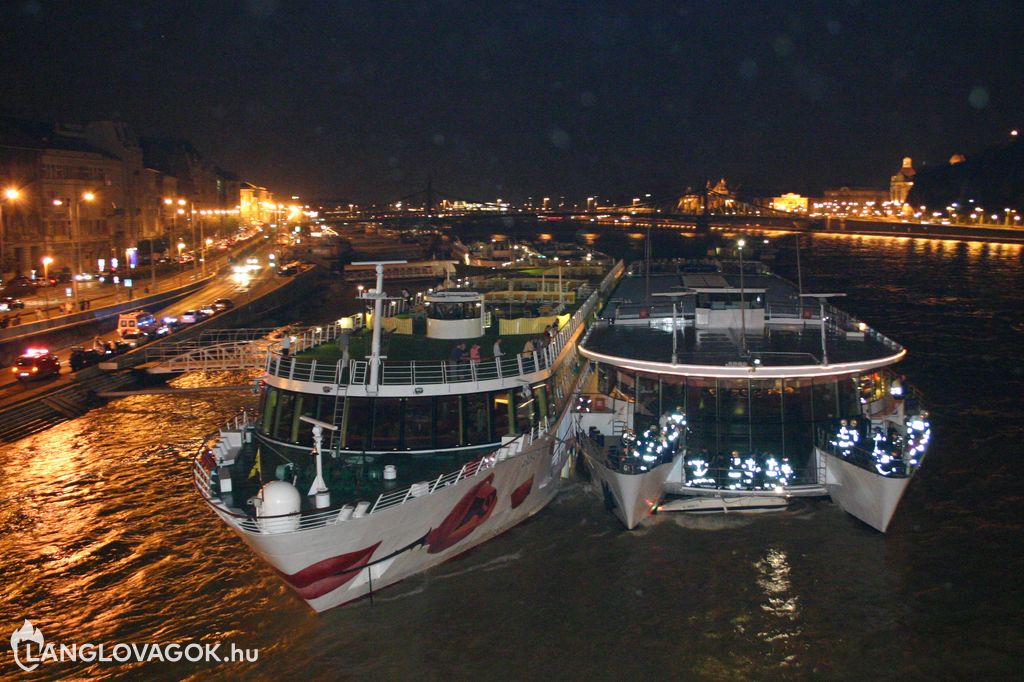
102 539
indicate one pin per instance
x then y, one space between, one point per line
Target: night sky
362 101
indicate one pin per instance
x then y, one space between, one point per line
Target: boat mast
319 487
821 307
377 295
743 304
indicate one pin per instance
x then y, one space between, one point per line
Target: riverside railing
420 372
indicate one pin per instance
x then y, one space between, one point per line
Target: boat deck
637 324
780 346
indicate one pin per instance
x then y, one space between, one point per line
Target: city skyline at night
368 102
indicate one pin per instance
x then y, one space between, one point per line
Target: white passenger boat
783 395
358 472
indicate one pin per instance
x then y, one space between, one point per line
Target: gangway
213 350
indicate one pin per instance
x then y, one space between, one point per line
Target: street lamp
181 264
47 260
10 194
76 229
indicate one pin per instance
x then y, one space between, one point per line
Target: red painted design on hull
520 494
473 509
330 574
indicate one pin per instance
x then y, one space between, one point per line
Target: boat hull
339 562
870 497
635 496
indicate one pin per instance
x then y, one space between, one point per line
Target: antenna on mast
376 295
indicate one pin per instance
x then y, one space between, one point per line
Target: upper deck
713 324
332 360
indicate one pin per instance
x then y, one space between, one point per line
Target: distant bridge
699 209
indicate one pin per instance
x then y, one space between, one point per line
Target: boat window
799 415
702 412
673 395
387 422
826 404
646 411
849 395
502 413
268 408
283 416
766 415
357 423
448 427
526 406
453 311
734 415
419 417
297 431
476 419
317 407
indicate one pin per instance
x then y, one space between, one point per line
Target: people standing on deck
474 354
456 359
286 344
496 349
528 347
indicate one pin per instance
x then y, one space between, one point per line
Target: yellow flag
255 471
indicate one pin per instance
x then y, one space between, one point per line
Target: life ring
807 313
644 313
599 404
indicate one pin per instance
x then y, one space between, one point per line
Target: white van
134 324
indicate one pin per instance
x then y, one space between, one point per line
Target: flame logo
27 633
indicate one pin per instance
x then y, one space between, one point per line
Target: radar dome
279 498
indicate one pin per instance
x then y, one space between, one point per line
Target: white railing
419 372
222 356
285 523
837 319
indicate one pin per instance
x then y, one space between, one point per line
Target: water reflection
780 604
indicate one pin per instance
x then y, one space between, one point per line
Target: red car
36 363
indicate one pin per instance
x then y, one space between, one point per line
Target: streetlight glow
88 196
12 193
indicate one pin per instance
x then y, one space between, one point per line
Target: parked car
18 285
222 304
136 337
83 357
36 363
10 303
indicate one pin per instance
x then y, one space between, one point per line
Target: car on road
208 310
10 303
188 317
83 357
36 363
136 337
223 304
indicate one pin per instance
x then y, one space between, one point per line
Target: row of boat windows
453 311
781 416
420 423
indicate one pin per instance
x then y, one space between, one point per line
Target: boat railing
896 467
203 467
419 372
838 319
